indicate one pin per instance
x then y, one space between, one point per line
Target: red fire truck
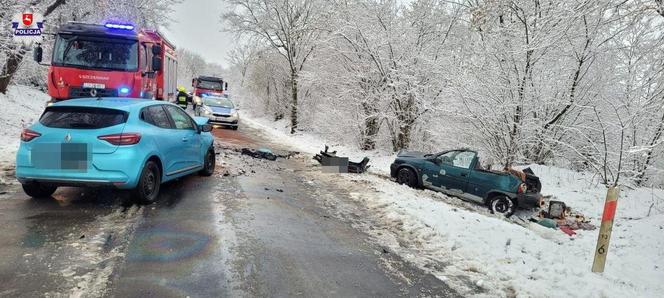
208 86
111 60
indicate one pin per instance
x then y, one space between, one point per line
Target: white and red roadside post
605 229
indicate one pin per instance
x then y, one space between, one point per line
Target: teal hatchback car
458 173
120 142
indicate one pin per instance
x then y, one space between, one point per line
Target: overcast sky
197 28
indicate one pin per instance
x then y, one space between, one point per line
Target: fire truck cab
208 86
111 60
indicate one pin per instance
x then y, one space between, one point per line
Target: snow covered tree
290 27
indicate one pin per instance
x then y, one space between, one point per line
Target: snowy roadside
21 107
500 257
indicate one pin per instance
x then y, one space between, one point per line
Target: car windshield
96 53
218 102
461 159
82 117
212 85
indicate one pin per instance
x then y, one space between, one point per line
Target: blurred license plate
61 156
94 85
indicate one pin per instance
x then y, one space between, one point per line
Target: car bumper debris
266 153
337 164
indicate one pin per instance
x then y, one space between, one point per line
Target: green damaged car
459 173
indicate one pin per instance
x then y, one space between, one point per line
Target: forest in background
577 84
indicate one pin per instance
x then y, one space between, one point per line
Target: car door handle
185 139
464 174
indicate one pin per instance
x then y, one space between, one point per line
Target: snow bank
21 107
501 257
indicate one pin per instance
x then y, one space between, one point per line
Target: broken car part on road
336 164
266 153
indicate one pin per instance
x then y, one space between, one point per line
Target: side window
180 118
146 57
143 61
156 116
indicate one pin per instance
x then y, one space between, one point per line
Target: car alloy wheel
503 205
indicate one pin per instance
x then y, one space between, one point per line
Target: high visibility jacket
182 97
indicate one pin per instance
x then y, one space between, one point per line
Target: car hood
411 154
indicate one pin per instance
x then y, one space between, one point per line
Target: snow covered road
255 228
284 228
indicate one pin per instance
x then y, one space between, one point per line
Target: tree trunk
14 58
293 101
369 134
640 177
403 136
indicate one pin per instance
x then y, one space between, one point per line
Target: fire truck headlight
124 91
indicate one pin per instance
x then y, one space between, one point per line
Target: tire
209 162
38 190
147 190
407 176
501 204
234 127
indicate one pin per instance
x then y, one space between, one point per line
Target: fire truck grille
88 92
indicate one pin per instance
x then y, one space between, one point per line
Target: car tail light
522 188
129 138
28 135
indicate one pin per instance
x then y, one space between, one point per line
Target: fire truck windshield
96 53
211 85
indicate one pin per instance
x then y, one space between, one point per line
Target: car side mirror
206 128
37 54
156 64
156 50
434 160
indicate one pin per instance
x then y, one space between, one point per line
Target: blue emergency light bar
119 26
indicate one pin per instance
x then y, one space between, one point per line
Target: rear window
82 117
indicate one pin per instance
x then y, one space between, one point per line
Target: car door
454 170
168 144
189 136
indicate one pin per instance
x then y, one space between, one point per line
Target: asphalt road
255 228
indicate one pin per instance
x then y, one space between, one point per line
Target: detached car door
189 136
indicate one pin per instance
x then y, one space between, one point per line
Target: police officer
183 98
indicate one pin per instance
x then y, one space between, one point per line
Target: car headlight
234 114
207 111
